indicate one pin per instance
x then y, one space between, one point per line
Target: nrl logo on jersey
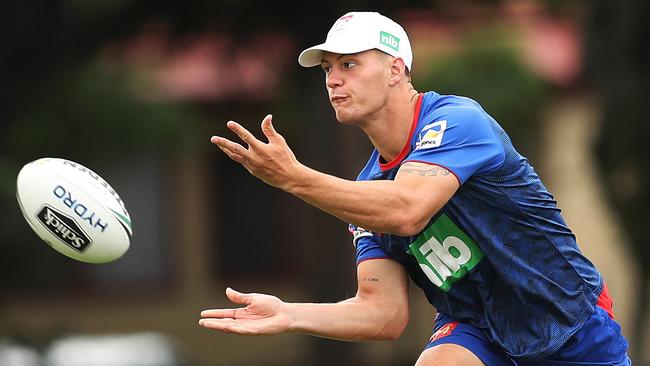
358 233
431 135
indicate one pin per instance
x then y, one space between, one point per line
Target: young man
444 199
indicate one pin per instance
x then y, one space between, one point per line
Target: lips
338 98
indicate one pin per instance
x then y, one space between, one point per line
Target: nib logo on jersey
64 228
445 253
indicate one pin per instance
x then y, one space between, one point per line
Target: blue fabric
597 342
471 338
498 255
468 144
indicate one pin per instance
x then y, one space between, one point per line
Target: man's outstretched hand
263 315
272 161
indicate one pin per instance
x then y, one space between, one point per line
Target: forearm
348 320
379 310
378 206
385 206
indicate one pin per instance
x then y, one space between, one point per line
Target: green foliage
94 113
489 70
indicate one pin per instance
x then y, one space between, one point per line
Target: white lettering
431 275
65 232
463 249
442 263
430 252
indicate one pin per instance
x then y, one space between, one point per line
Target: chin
346 118
346 121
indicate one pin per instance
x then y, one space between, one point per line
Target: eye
349 64
326 68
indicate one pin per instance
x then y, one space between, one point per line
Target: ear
397 71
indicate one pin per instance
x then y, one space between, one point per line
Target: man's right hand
272 162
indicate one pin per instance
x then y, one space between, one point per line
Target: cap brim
313 56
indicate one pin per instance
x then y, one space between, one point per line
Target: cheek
374 89
378 80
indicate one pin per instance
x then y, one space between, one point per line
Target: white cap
361 31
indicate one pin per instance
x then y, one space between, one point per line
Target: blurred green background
134 90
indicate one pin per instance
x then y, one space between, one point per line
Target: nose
333 79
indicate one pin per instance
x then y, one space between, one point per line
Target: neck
389 130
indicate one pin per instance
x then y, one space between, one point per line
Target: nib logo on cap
389 40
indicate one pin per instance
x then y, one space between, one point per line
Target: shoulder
454 109
449 118
457 133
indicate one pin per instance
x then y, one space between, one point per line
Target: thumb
267 128
237 297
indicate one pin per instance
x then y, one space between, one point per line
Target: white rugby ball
74 210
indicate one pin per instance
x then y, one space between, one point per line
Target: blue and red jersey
498 255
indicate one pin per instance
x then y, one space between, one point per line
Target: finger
238 297
227 325
243 134
236 157
218 324
234 150
219 313
230 145
268 129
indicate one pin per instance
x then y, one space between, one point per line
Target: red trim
444 331
407 147
605 301
430 163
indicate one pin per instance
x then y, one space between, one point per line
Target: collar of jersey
407 147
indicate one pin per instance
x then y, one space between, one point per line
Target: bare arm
402 206
379 311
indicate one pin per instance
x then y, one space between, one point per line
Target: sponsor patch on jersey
358 233
431 135
444 331
445 253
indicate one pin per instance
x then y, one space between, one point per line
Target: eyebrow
340 56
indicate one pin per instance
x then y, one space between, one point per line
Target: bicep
429 186
382 281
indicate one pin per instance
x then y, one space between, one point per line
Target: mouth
338 99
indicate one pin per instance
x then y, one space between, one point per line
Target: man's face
357 83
